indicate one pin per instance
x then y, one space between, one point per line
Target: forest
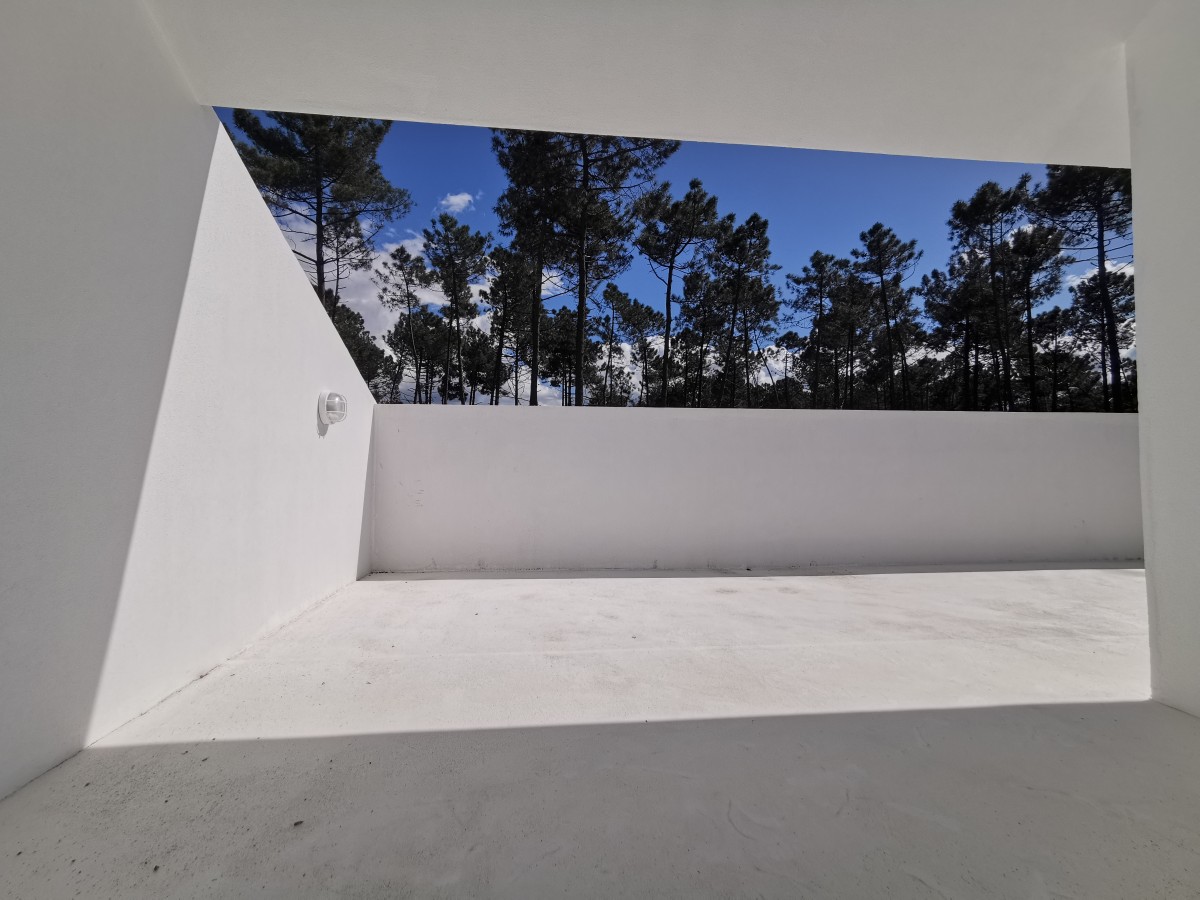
854 328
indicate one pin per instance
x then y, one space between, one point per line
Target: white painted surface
561 488
103 166
861 735
126 396
252 509
1164 89
1022 80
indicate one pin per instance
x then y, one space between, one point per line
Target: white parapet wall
560 488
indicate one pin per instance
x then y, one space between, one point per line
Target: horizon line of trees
538 304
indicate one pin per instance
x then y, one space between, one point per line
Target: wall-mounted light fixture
331 407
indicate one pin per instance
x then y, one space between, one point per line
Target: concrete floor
940 734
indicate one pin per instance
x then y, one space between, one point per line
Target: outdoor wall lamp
331 407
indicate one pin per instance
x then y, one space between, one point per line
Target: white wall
557 488
1021 80
102 170
250 510
104 166
1164 91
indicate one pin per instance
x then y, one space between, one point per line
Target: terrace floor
924 734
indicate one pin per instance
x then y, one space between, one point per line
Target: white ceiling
1021 80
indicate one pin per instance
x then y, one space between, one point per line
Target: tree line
855 329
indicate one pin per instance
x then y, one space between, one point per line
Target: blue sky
814 200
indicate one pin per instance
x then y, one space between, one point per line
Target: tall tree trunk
976 369
850 367
516 371
685 389
966 355
887 319
1002 335
1110 316
644 349
610 338
746 355
998 369
666 367
397 380
816 380
581 262
837 378
1054 365
319 227
728 373
462 387
498 366
1029 354
1104 376
535 327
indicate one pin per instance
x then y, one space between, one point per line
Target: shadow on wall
1089 800
85 359
166 500
246 516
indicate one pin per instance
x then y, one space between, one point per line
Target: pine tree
741 265
531 211
812 290
1093 208
888 262
1035 262
367 355
605 176
1096 313
507 297
320 177
638 324
399 276
673 236
457 260
700 313
981 227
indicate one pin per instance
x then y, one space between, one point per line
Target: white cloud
358 290
456 203
548 395
554 284
1077 278
361 294
415 244
483 322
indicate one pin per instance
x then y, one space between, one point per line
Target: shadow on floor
1079 800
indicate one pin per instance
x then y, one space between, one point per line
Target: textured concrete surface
939 734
